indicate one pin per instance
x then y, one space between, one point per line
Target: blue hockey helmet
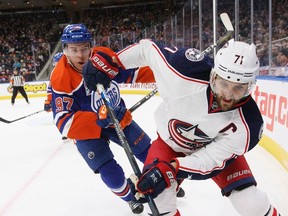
75 33
56 58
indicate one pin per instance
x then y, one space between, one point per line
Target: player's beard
225 104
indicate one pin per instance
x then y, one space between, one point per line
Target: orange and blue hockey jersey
73 105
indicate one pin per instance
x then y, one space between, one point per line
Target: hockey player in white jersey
206 123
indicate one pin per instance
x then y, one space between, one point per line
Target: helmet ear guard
236 62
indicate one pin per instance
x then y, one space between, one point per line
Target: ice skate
137 208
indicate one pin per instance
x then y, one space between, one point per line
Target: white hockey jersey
188 119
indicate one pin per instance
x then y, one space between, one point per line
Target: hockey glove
154 181
121 113
100 69
138 197
47 106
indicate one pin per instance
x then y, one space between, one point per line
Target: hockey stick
8 122
143 100
222 40
226 22
230 30
125 144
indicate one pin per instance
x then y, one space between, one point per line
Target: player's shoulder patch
194 55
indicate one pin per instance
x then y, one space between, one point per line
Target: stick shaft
23 117
143 100
125 144
222 40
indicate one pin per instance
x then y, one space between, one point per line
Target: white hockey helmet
236 62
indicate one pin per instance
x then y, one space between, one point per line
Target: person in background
282 59
47 102
262 55
17 85
206 123
79 113
16 63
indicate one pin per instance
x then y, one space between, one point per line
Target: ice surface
42 175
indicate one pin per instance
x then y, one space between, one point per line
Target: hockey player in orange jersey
75 112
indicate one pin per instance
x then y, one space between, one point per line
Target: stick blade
226 22
5 121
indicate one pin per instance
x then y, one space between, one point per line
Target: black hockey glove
100 69
137 197
154 181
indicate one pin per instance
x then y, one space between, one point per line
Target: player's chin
80 65
226 105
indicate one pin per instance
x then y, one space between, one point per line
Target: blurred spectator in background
275 50
262 54
283 57
27 38
16 63
31 37
4 78
280 63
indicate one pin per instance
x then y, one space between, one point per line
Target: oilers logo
187 136
113 93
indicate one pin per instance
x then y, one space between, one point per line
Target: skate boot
137 208
180 192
